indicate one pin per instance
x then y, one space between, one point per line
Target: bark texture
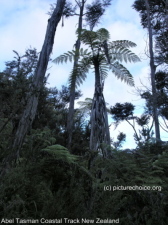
72 89
153 68
166 7
100 135
31 107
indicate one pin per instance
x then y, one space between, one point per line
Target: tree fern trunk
100 135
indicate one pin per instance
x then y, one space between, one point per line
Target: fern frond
88 37
79 73
122 73
84 53
60 153
122 43
103 69
122 54
103 35
69 56
85 106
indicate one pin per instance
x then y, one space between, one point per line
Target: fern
103 71
84 53
103 35
69 56
79 73
60 153
116 51
85 106
122 73
88 37
122 54
122 43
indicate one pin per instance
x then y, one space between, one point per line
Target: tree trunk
100 135
72 88
153 68
166 8
31 107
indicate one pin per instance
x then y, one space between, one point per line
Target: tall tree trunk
100 135
153 68
72 88
31 107
166 8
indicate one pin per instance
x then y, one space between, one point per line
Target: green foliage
162 96
103 71
50 182
65 57
70 56
122 73
85 106
5 137
57 184
158 17
109 54
120 139
122 43
103 35
59 152
119 52
94 11
89 38
143 120
78 73
15 83
130 168
122 111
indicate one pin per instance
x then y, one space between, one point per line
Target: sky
23 25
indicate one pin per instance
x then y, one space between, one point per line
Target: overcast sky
23 24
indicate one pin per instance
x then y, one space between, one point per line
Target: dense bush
57 184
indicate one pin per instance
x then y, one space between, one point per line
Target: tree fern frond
123 54
79 73
103 35
122 43
84 53
87 102
103 71
122 73
88 37
85 106
69 56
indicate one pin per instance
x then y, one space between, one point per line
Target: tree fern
59 152
103 56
